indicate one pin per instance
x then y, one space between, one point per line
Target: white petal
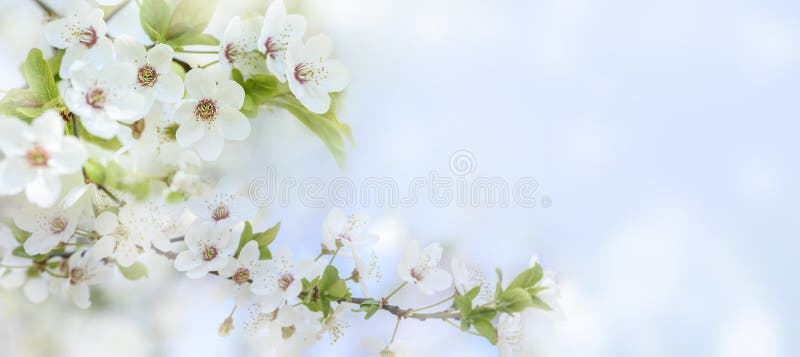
200 83
190 132
14 279
70 158
48 128
106 223
186 261
160 56
230 94
14 175
319 46
37 290
317 101
130 107
197 272
338 76
209 147
80 295
72 56
58 34
438 280
44 189
249 253
128 49
169 87
100 125
104 247
15 136
126 253
233 124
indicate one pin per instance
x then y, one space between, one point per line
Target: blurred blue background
665 133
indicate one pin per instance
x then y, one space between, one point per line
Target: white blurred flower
336 322
82 32
509 334
421 268
84 270
154 77
238 48
366 270
101 97
278 33
35 286
48 227
210 114
284 276
466 277
377 348
288 329
246 271
339 230
312 74
550 293
36 156
209 250
137 225
221 209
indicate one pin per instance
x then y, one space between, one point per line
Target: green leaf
177 68
514 300
326 127
329 277
266 237
155 17
21 103
246 236
337 291
539 304
463 304
249 107
134 272
485 328
192 39
94 171
55 62
264 253
190 16
369 307
498 290
39 76
20 252
261 87
528 278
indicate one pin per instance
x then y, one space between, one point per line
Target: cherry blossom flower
377 348
84 270
421 268
284 276
36 156
246 271
101 97
339 230
312 74
209 250
289 329
211 114
35 285
136 226
222 208
238 48
154 77
48 227
509 334
278 33
466 277
82 32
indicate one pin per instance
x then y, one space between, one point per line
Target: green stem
46 8
209 64
395 290
14 266
199 52
436 304
334 256
396 326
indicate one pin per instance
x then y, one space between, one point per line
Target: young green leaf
246 236
485 328
39 76
193 39
514 300
154 17
266 237
528 278
369 307
134 272
190 17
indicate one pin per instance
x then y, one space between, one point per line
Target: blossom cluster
103 160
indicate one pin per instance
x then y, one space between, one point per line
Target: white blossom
246 271
154 77
509 334
238 48
210 114
312 74
339 230
221 209
421 268
284 276
36 156
84 270
466 277
278 33
101 97
48 227
377 348
209 250
82 32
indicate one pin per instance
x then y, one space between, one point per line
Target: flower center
37 156
303 73
137 129
209 253
273 47
88 37
418 273
58 225
206 110
285 281
241 276
96 98
220 213
147 76
76 275
231 52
